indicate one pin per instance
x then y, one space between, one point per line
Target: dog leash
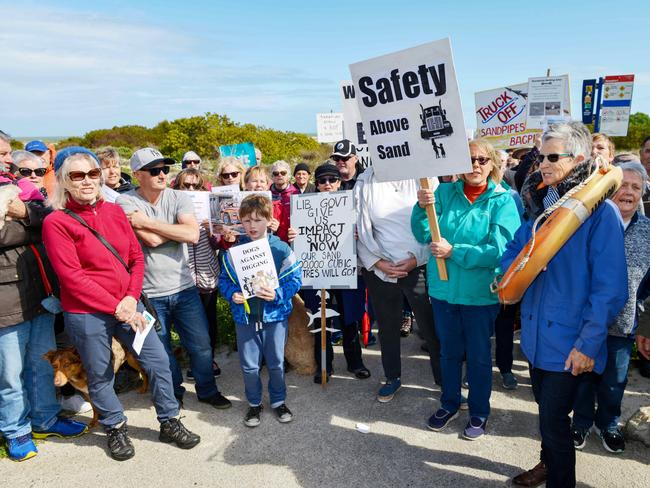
41 269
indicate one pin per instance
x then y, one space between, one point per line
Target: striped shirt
204 264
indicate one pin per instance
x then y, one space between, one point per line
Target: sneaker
252 418
387 392
463 402
75 404
174 431
406 327
119 444
21 448
613 440
475 428
189 375
217 401
509 381
362 373
283 413
579 437
62 428
337 338
441 419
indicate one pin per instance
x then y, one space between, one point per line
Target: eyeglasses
27 172
156 171
327 179
336 159
193 162
93 174
189 186
279 173
234 174
482 160
552 158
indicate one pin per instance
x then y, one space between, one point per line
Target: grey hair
60 197
575 137
624 158
5 137
635 167
19 156
108 154
281 165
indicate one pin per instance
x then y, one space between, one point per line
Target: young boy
262 330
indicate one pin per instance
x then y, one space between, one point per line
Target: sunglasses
189 186
482 160
336 159
279 173
93 174
192 162
325 180
234 174
157 171
552 158
26 172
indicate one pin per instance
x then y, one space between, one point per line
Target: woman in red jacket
100 296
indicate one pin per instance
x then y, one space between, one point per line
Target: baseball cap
344 148
148 156
66 152
39 146
326 169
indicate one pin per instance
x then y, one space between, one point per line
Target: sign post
615 105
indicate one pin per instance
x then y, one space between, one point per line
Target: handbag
50 303
144 299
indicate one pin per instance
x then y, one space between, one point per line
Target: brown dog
299 350
68 368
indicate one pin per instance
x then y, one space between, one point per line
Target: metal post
599 88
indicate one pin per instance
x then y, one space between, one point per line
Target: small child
262 331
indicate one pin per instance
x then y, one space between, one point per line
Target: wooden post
435 230
323 338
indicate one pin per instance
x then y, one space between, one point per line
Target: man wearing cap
346 160
301 175
163 219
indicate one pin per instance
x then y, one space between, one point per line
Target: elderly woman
566 310
608 388
282 189
477 218
100 296
230 171
29 166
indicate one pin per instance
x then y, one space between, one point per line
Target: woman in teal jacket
477 218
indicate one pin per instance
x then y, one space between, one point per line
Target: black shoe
318 379
283 413
362 373
252 418
613 441
579 437
119 444
174 431
217 401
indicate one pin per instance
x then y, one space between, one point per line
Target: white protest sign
329 127
254 266
325 243
548 99
411 110
352 124
616 105
201 202
501 116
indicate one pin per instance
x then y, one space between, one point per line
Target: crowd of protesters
145 257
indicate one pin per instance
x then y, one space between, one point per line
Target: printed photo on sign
411 111
325 243
254 266
548 98
224 210
352 125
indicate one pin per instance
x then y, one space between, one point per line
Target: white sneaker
75 404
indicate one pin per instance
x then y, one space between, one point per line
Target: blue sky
73 66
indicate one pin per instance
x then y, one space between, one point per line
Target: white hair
19 156
60 197
575 137
637 168
281 165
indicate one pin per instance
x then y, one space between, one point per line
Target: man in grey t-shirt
164 221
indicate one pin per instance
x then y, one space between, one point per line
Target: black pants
504 327
387 300
209 301
555 393
351 348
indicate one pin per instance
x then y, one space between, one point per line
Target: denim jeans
607 388
464 332
92 335
252 345
185 311
555 394
27 393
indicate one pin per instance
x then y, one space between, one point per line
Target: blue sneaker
387 392
62 428
475 428
440 419
21 448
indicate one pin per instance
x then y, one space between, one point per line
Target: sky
73 66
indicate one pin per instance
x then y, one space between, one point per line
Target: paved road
321 448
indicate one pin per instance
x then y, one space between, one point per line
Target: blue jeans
252 345
27 393
608 388
464 332
185 311
92 334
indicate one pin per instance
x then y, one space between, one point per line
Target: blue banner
245 151
588 99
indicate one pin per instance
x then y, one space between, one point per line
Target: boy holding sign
261 321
